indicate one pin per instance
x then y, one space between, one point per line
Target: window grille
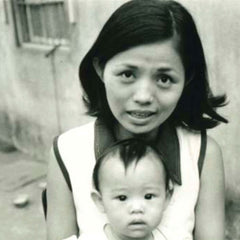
41 21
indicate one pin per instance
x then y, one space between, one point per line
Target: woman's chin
148 132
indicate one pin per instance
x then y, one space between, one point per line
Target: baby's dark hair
129 151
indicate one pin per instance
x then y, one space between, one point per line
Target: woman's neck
121 133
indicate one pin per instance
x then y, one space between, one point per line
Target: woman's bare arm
61 215
210 211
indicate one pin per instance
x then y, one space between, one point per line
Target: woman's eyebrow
164 69
167 70
131 66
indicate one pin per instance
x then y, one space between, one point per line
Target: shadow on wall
22 131
5 128
232 220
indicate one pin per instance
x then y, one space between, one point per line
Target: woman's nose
144 92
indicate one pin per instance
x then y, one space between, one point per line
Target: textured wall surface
40 96
219 27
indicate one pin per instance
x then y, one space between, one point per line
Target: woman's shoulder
77 132
70 146
213 162
208 149
193 138
213 157
213 147
72 139
188 131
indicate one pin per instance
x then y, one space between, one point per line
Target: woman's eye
149 196
122 198
127 75
164 80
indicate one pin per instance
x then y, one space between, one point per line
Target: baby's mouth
137 223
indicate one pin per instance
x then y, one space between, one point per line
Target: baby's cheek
157 208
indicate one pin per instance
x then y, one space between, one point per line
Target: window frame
37 40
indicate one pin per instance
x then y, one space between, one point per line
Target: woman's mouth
141 114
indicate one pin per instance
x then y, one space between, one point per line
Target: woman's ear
98 68
97 199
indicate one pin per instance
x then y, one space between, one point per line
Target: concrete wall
38 102
219 27
35 102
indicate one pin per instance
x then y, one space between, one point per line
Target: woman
145 77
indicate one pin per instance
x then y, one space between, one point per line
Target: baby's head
130 188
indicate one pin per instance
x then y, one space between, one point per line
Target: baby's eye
122 197
149 196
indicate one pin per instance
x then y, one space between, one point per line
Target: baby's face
133 199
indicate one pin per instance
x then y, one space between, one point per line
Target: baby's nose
136 207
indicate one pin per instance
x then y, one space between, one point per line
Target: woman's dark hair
147 21
128 151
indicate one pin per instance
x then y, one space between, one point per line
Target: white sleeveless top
100 235
76 150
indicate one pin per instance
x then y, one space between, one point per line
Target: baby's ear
97 199
169 193
98 68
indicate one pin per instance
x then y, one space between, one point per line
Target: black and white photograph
119 120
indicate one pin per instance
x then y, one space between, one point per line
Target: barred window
41 21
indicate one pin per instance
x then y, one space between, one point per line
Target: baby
131 187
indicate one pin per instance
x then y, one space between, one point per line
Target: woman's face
143 86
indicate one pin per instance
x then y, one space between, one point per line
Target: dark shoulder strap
168 145
103 137
64 171
44 202
60 163
202 151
